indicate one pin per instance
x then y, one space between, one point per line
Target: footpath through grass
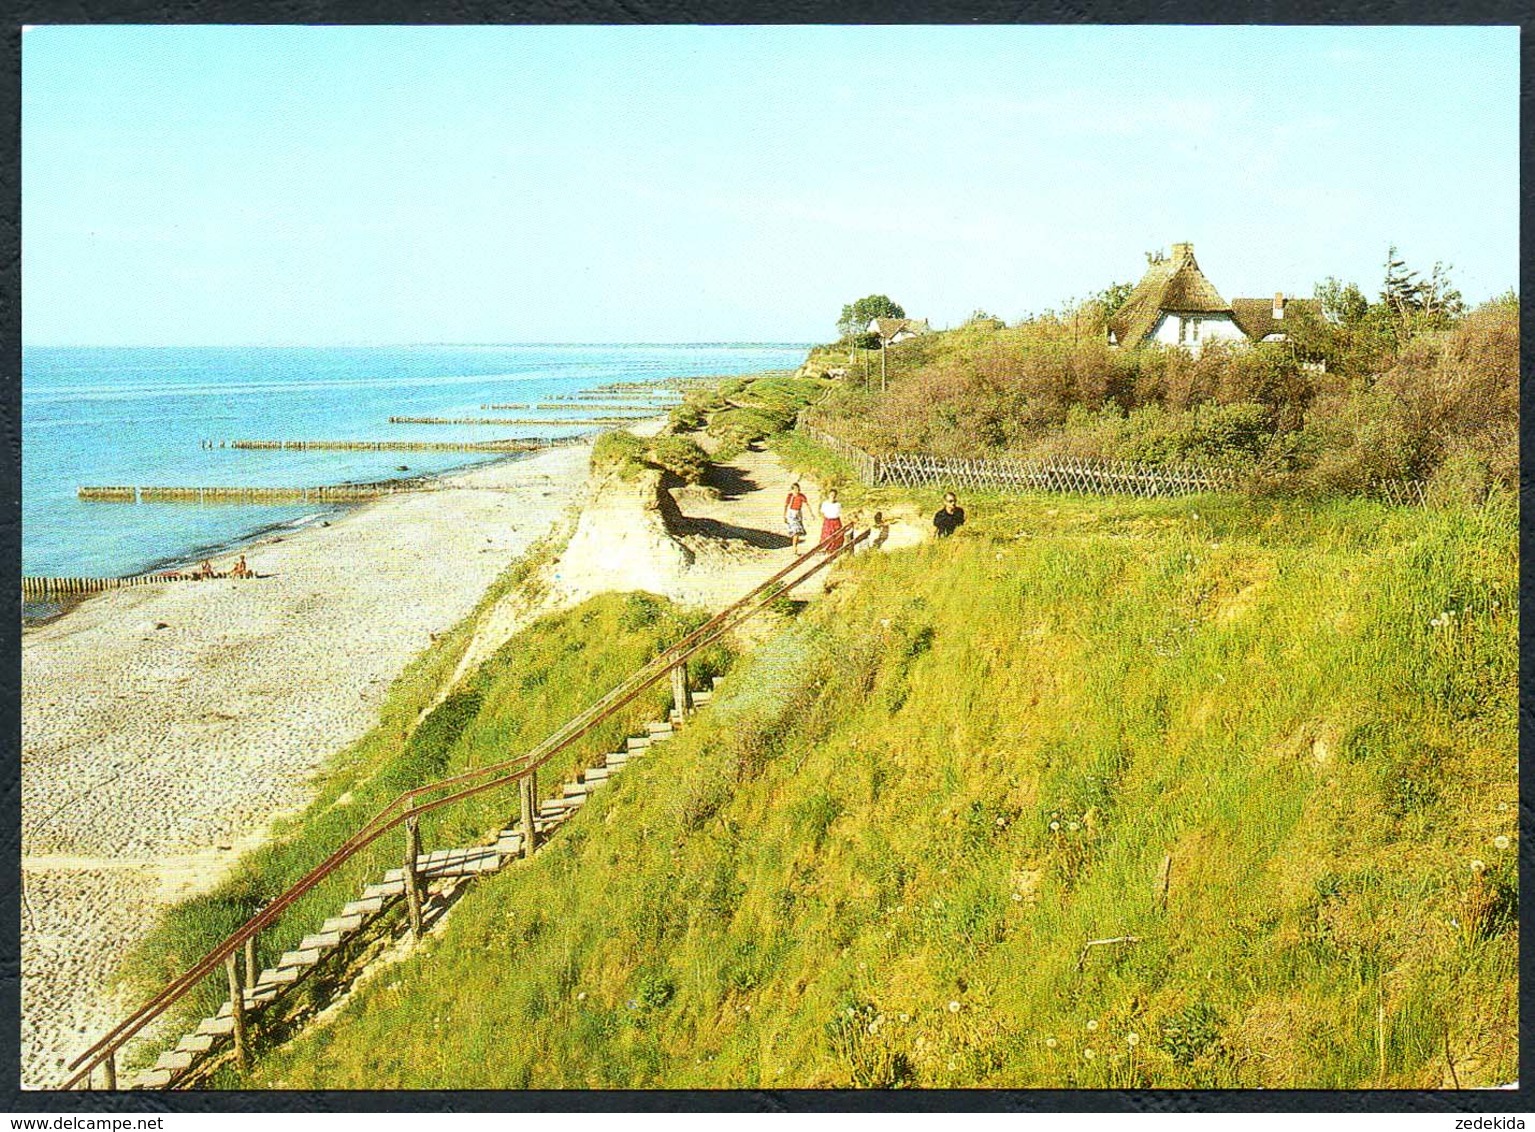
878 858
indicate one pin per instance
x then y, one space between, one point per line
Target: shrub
680 456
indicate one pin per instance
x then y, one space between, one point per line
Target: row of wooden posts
572 422
415 895
520 444
327 493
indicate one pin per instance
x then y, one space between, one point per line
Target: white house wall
1211 328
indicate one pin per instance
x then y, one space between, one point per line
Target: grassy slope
541 678
877 857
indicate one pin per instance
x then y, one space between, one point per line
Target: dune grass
878 857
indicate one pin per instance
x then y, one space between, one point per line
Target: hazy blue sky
375 185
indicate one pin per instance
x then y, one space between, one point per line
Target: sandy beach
163 728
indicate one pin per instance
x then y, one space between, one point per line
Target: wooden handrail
506 772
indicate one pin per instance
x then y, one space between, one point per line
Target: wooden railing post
682 697
237 1010
412 878
109 1072
251 970
529 788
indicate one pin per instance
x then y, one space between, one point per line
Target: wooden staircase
442 873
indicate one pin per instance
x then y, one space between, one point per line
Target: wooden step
342 925
616 760
701 698
388 888
176 1060
276 976
597 774
216 1027
365 907
662 736
574 789
638 743
320 941
153 1079
658 728
715 683
304 957
265 994
198 1042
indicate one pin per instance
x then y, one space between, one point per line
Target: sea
141 416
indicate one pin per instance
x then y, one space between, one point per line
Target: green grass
630 455
875 860
531 686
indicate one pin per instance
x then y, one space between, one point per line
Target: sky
325 186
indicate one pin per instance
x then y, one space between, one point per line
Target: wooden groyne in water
330 493
40 588
527 444
587 406
590 422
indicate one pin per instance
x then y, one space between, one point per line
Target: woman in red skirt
831 522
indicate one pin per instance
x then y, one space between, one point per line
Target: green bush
680 456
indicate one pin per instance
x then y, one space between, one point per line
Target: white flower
1055 826
1017 897
1073 826
1502 807
1132 1039
581 997
1092 1024
1050 1043
1001 821
905 1017
1500 842
1088 1054
953 1008
1478 865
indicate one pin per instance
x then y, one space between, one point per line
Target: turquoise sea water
138 417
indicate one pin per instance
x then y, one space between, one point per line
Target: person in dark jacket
950 517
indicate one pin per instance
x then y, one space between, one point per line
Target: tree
856 316
985 320
1113 296
1420 304
1342 303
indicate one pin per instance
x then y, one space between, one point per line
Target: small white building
1174 304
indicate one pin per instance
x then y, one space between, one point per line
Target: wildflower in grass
1055 827
953 1007
905 1017
1088 1054
1478 866
1500 842
1073 826
581 997
1001 822
1132 1039
1017 897
1502 807
1092 1024
1050 1042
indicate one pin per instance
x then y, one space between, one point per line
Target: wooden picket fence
1085 476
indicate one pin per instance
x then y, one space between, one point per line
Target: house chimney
1182 252
1278 305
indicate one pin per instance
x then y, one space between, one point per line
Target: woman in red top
794 515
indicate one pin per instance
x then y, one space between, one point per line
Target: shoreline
164 729
324 516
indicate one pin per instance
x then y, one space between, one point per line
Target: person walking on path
950 517
794 516
831 522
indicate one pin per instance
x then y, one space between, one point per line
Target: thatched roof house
1175 304
893 330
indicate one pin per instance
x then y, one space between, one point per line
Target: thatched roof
1173 284
888 328
1256 316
